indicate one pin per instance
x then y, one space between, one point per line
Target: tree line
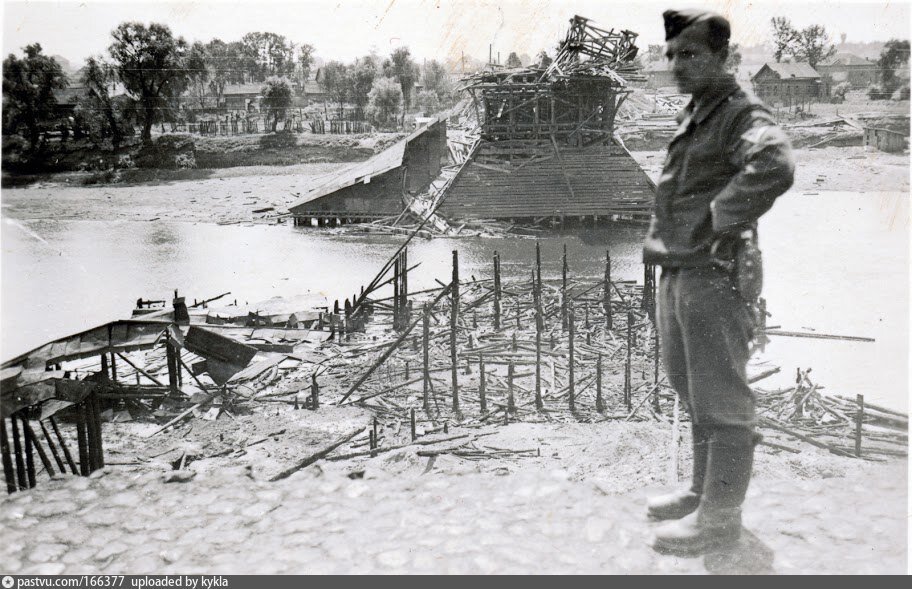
158 70
378 86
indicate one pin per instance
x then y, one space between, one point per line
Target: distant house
658 74
789 84
244 97
848 67
313 90
67 98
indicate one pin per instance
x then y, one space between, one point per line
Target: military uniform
726 165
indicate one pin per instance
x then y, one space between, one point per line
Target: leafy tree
401 67
435 78
276 98
272 54
785 37
243 63
28 91
305 59
428 102
513 60
98 110
197 65
150 63
334 81
219 62
544 60
813 45
894 54
383 102
360 79
733 61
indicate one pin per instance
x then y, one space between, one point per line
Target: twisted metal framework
573 101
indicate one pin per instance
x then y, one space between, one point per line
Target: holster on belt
739 254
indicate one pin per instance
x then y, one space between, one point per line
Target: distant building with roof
244 97
789 84
658 74
67 99
848 67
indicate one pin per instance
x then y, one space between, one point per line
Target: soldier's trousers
705 329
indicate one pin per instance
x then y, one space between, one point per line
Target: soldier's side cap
717 26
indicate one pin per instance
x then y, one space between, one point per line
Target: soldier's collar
725 88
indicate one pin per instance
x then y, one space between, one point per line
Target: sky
432 29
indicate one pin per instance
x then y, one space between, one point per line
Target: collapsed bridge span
547 147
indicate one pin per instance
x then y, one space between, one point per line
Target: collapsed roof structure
547 146
573 99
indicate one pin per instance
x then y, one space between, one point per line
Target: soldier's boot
682 502
716 524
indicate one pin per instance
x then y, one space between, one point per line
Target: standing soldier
726 164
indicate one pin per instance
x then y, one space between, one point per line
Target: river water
835 262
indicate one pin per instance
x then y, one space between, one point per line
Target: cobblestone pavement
530 522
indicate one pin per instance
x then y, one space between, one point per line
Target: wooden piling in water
606 294
511 401
539 404
426 381
571 320
497 291
655 370
454 317
564 289
403 292
628 389
483 402
599 402
397 306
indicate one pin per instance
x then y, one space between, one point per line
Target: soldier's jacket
726 164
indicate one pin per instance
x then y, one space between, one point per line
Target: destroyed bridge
541 148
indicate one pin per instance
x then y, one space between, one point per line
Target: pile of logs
845 427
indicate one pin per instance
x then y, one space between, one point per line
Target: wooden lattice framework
572 102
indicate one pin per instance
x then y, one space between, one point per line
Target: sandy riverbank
232 194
